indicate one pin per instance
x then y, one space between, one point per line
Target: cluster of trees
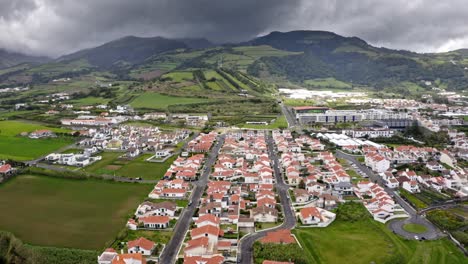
449 221
245 79
446 220
12 250
229 79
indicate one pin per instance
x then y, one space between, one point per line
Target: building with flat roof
344 116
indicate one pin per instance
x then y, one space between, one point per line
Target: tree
302 184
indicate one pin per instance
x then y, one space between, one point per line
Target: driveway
397 224
169 254
246 244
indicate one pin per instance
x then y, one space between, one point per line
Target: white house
411 186
155 222
316 216
107 256
141 245
162 208
264 214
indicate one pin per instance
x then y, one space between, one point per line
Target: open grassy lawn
13 146
59 212
366 241
159 101
279 122
112 165
415 228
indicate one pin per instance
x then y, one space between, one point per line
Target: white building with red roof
141 245
316 216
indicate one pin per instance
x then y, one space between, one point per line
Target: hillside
10 59
299 57
125 51
350 59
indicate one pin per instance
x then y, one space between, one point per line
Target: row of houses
134 139
380 160
73 159
378 202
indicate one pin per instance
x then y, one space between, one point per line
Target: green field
279 122
84 214
13 146
327 83
367 241
112 165
179 76
415 228
159 101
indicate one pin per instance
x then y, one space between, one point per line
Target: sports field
84 214
367 241
14 146
151 100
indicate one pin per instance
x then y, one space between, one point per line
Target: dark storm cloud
55 27
12 9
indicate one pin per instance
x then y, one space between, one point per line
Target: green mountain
301 57
10 59
124 51
350 59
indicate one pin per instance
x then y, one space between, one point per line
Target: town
179 132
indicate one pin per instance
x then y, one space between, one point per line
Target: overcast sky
55 27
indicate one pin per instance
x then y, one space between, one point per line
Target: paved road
292 122
397 224
169 255
246 244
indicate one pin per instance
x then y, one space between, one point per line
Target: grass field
112 165
327 83
13 146
67 213
160 101
179 76
366 241
415 228
279 122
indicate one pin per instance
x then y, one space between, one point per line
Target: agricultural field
14 146
179 76
346 241
85 214
90 100
158 101
112 165
327 83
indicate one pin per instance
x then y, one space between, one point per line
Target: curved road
246 244
397 224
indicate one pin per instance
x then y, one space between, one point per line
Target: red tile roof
282 236
155 219
142 243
